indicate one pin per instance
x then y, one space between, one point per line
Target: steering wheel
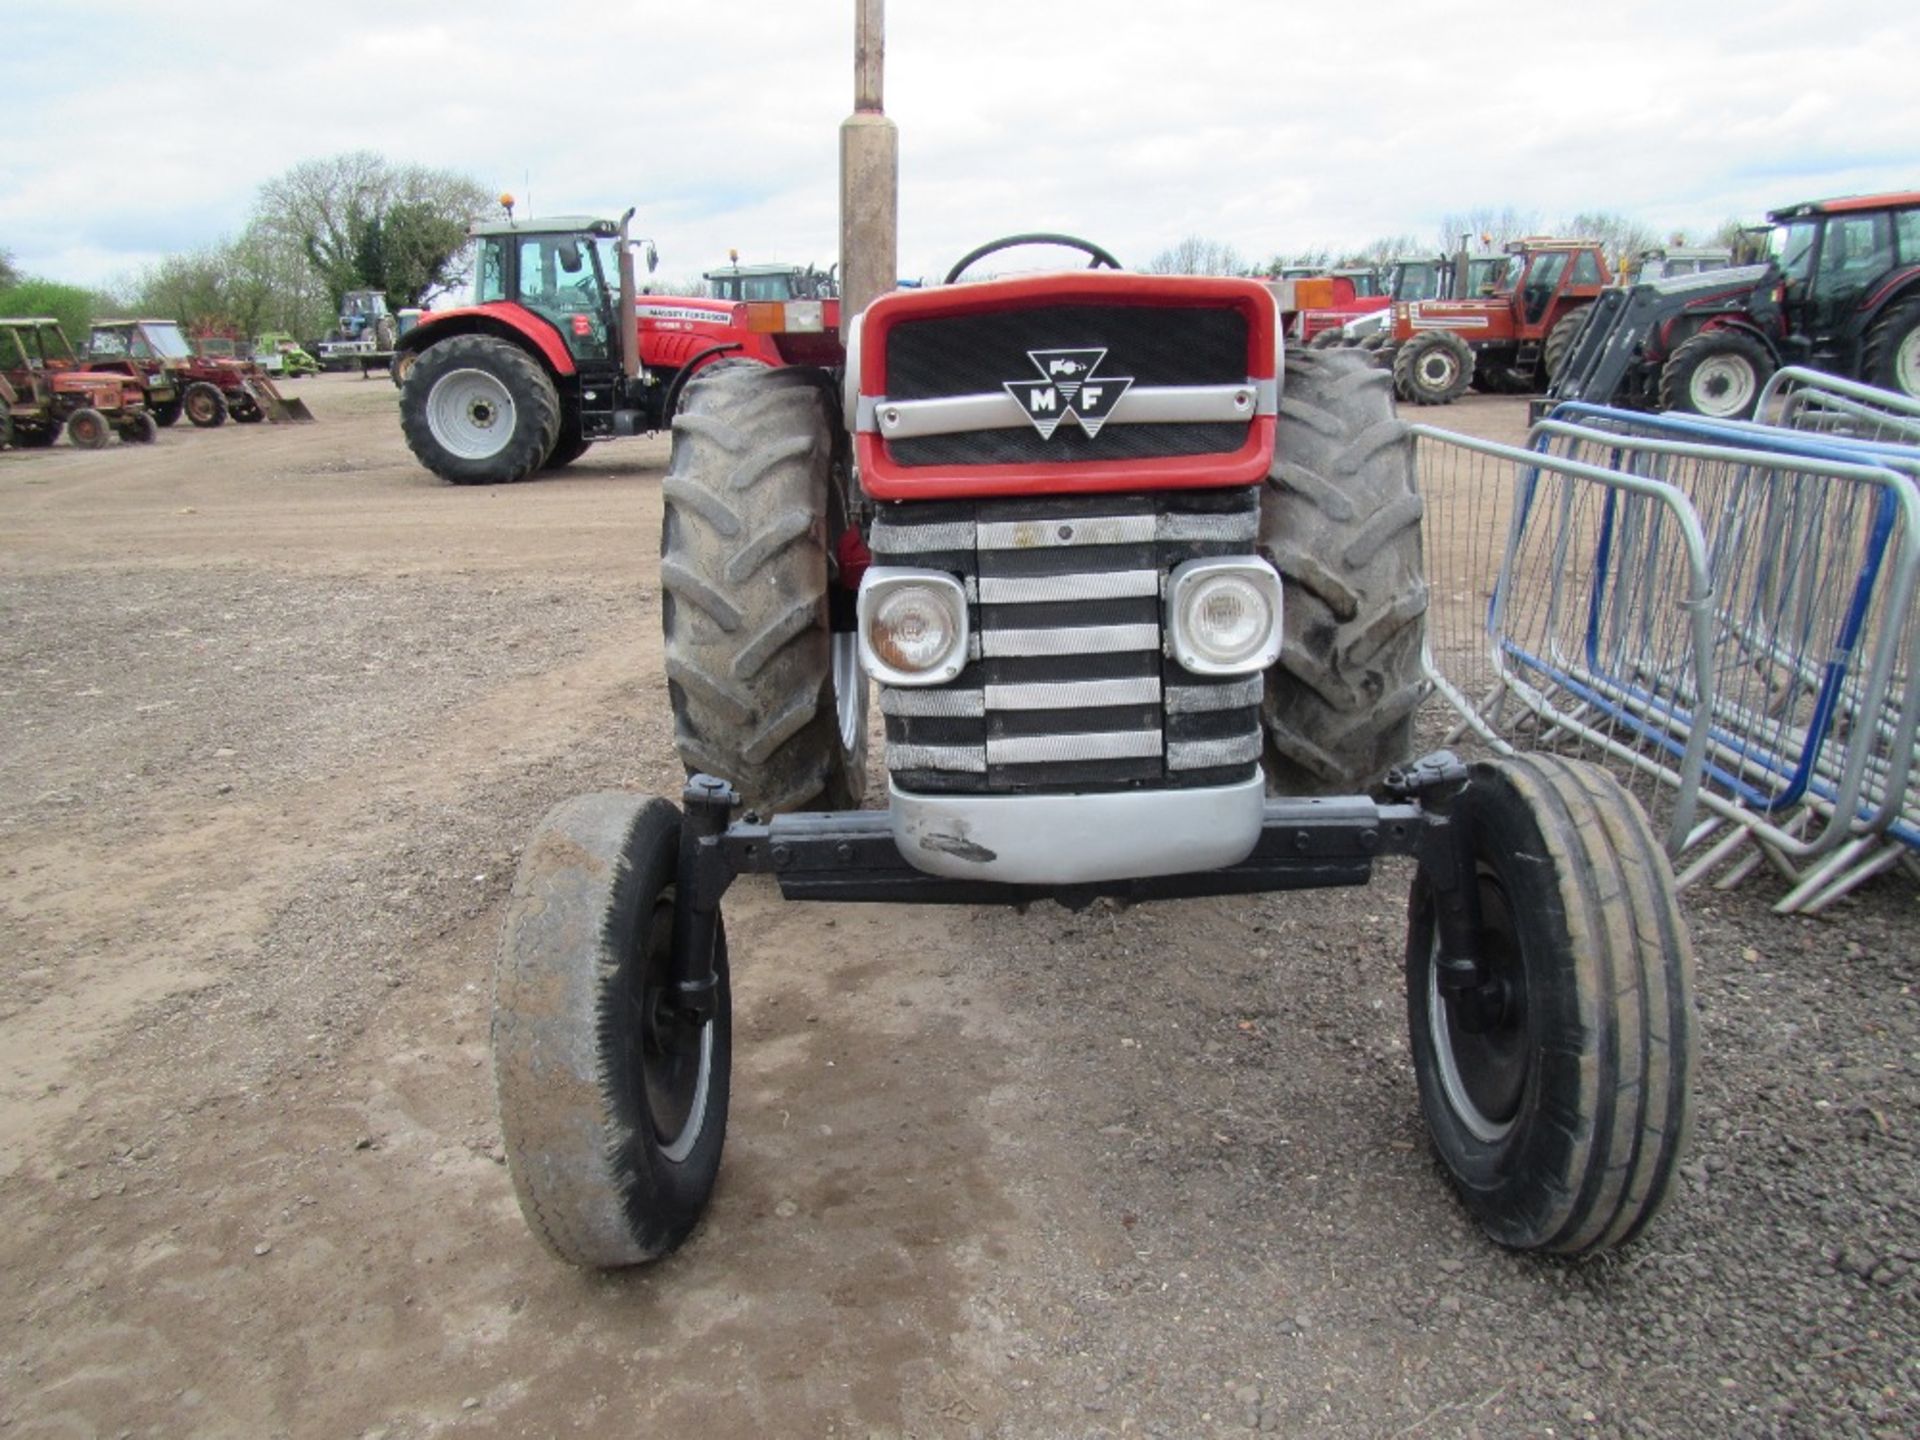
1008 242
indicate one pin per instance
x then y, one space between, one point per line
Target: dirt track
280 709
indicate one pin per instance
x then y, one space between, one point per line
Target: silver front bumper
1078 839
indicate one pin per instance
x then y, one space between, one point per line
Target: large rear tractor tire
1892 356
1718 373
612 1098
1329 339
766 693
1561 339
205 406
1433 368
477 410
87 429
1558 1092
1340 519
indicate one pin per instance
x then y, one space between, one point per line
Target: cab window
1586 269
1906 231
1858 249
112 343
491 287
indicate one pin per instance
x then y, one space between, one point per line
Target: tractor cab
1843 265
152 344
564 268
772 283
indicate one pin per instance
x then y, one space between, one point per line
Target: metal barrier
1797 398
1783 705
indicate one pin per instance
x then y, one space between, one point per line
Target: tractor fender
1897 285
1676 332
504 321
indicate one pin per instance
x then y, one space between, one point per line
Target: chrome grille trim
1141 405
1050 749
1209 754
1090 640
1244 528
967 759
1045 534
920 539
934 703
1197 699
1095 585
1074 694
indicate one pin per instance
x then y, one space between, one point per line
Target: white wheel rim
689 1135
1906 363
849 689
1723 385
1437 369
1459 1101
470 414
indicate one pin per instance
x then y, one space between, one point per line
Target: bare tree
1619 235
1486 228
1195 256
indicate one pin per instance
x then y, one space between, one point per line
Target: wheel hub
471 414
1723 385
1479 1036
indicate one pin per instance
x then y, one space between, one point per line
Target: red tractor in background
1513 339
1841 294
204 379
559 350
48 389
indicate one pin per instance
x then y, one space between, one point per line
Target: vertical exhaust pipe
869 174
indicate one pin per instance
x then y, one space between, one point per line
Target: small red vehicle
49 389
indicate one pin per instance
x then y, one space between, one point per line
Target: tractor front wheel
205 406
1340 519
766 692
166 413
1557 1089
477 410
612 1095
1561 339
1433 368
140 428
87 429
1892 357
1718 373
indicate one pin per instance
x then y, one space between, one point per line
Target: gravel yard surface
281 709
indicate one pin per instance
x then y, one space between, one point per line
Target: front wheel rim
849 689
1437 370
1723 385
675 1062
471 414
1483 1075
1906 363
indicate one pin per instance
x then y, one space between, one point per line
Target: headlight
913 626
1223 616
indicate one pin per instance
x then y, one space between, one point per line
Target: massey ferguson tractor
1513 339
1840 294
1139 596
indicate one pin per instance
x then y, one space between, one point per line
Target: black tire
1340 519
765 693
569 447
246 412
477 410
35 437
1561 339
613 1113
165 414
1718 373
205 406
140 428
87 429
1562 1118
1433 368
1891 358
1331 339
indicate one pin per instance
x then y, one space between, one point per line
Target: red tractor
559 351
1841 294
48 389
1513 337
1138 627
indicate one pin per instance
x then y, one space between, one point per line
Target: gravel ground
282 709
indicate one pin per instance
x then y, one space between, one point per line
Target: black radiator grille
1151 345
1067 687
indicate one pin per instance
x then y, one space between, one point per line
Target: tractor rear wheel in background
1561 339
477 410
612 1098
166 413
139 428
246 412
1557 1092
1340 519
204 405
1328 339
1717 373
1891 359
766 693
87 429
1433 368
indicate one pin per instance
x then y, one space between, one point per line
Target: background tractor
51 390
1512 338
1138 628
203 379
558 350
1841 293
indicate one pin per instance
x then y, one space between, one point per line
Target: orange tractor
45 389
1512 337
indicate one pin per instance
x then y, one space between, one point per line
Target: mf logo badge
1068 385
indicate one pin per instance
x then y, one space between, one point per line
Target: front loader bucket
278 408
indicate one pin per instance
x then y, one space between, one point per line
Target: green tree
9 274
69 304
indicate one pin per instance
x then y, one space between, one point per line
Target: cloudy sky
1266 125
